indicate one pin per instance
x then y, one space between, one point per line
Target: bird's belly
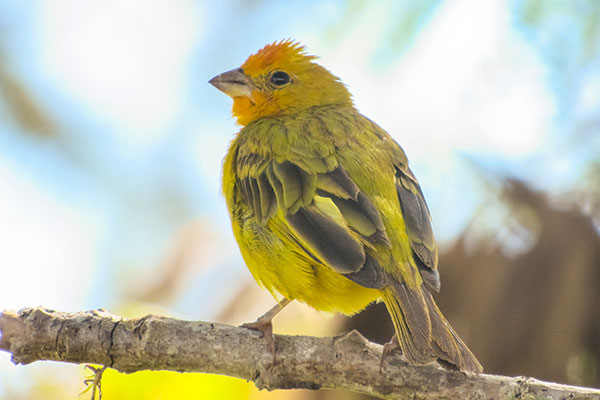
278 263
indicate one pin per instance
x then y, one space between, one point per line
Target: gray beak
233 83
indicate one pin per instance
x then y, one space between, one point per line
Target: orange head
280 79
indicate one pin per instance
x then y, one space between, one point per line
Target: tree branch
347 362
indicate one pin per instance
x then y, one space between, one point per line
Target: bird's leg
264 325
389 348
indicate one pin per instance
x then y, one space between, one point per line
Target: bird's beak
233 83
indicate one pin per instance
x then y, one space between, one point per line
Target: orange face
279 79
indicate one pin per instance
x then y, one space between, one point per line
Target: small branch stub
347 362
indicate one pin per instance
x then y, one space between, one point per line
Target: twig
348 362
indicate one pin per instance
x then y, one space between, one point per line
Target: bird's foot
389 348
265 327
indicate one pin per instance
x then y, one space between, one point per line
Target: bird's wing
325 211
418 225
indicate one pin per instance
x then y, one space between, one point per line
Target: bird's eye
279 78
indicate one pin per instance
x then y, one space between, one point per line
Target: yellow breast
279 264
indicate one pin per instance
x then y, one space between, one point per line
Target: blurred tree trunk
533 314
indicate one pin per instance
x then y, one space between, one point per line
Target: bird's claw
266 328
388 348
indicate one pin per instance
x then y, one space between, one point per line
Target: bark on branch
347 362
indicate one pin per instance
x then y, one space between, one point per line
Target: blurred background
111 143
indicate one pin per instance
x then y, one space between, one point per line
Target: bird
324 206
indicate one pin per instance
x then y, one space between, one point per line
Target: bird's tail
423 333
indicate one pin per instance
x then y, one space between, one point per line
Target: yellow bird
324 206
